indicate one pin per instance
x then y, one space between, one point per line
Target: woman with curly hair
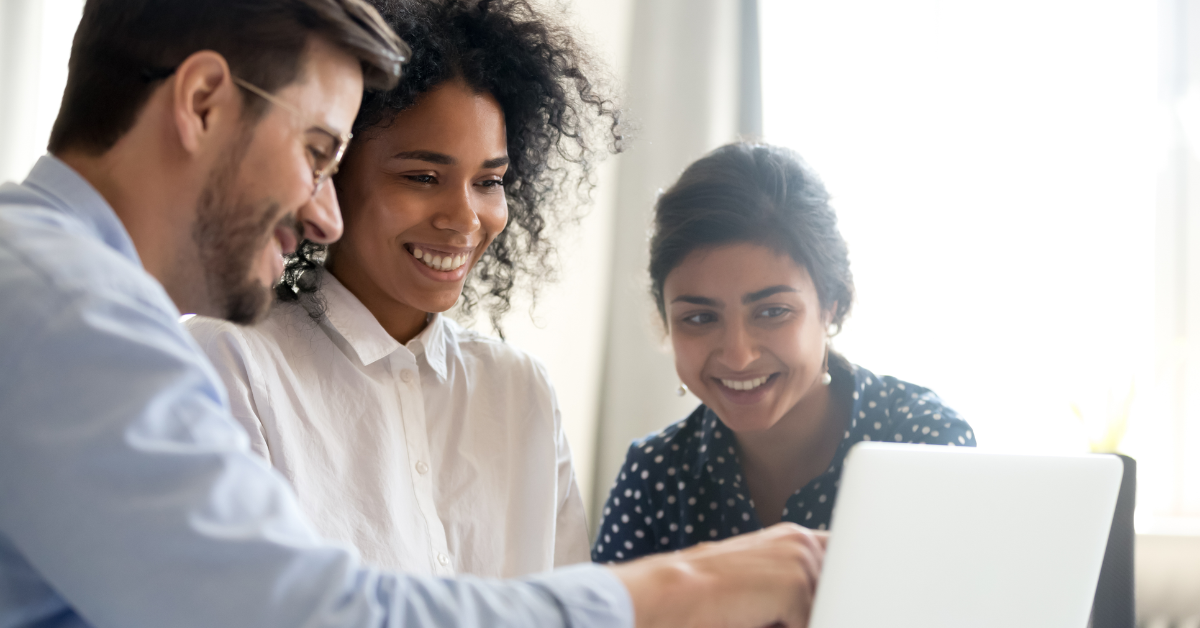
433 449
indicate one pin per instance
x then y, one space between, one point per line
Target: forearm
584 596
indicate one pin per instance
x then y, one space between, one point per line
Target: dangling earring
826 378
682 390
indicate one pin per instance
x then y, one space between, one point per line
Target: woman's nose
458 212
738 348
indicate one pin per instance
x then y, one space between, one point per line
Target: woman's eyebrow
695 300
495 162
432 157
766 292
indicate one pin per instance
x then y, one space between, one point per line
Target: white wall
35 44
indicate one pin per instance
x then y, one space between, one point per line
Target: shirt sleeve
127 487
627 524
227 351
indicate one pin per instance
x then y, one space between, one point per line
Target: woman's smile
746 390
445 263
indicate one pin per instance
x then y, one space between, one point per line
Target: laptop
948 537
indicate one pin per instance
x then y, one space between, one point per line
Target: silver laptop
946 537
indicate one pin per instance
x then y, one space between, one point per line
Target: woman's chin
759 422
435 303
744 420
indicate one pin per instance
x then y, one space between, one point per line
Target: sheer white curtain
1017 194
685 83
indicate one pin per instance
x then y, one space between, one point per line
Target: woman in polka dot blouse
752 279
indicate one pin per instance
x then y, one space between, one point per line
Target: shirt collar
350 318
369 340
431 343
70 193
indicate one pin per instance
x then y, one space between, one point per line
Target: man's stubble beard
229 235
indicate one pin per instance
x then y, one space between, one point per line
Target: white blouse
442 456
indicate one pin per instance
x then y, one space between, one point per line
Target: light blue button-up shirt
129 497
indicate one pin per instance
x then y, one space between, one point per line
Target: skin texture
742 312
226 197
432 180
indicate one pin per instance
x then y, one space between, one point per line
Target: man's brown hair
123 48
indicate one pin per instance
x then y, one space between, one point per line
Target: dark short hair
559 122
754 193
123 46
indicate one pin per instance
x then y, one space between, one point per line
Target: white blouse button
443 559
422 468
406 376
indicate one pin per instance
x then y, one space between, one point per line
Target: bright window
997 169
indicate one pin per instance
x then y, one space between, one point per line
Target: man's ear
204 98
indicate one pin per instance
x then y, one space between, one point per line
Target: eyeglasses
325 146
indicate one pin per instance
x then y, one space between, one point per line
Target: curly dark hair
559 126
758 193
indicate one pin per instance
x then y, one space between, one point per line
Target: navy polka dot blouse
684 485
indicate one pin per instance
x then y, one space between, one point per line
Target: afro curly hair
559 126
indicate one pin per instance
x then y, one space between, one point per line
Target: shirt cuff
590 596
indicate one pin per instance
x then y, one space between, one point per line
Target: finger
814 540
797 613
811 555
812 567
808 545
787 528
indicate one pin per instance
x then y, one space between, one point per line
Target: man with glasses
190 153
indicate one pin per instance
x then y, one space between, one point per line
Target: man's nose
321 218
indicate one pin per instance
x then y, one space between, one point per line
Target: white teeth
749 384
438 262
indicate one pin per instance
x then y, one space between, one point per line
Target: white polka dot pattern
690 477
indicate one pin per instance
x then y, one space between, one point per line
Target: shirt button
443 559
406 376
422 468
